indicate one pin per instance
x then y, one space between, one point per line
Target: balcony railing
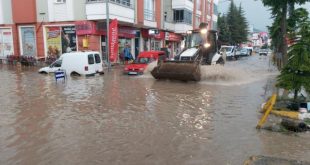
149 15
124 3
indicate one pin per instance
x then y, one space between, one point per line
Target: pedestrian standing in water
127 53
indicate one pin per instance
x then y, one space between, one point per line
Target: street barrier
60 74
267 109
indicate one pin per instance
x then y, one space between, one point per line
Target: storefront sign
113 40
6 42
53 41
159 36
126 32
28 41
90 27
173 37
68 39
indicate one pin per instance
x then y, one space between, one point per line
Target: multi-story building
43 28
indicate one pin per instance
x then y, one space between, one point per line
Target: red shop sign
126 32
90 27
113 40
173 37
159 36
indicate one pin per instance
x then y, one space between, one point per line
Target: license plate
132 73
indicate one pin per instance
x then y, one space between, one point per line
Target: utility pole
107 35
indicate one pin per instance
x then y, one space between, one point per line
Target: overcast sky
255 12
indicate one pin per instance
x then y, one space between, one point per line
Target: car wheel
220 61
75 74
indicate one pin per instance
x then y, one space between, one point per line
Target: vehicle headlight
126 69
206 45
203 31
141 69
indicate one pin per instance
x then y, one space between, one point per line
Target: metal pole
107 35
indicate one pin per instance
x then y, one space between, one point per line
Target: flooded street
117 119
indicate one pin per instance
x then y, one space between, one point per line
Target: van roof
81 52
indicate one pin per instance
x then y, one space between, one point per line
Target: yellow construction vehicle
200 49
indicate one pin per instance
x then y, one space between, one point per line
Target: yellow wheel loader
200 49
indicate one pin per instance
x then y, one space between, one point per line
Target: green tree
233 27
243 26
296 74
279 10
223 29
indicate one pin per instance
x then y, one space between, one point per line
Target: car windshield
56 64
142 60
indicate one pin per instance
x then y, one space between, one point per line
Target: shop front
59 39
152 39
120 38
6 43
173 43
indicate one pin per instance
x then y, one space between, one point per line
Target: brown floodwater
133 120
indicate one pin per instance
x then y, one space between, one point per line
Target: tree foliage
233 27
296 74
280 9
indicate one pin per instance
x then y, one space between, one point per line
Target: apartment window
198 5
95 0
197 21
60 1
149 10
182 15
122 2
215 9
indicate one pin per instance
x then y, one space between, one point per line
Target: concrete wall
24 11
6 12
42 11
79 10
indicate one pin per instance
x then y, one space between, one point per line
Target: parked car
263 52
77 63
143 59
230 51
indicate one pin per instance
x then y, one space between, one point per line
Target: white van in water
230 51
77 63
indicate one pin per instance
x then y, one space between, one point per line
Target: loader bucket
177 70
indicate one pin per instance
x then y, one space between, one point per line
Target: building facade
49 28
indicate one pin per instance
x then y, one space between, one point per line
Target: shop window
91 59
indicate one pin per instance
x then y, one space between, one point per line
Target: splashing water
239 72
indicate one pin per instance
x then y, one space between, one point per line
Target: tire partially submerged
177 70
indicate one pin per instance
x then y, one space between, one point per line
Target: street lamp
107 35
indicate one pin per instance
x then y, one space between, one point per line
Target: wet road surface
117 119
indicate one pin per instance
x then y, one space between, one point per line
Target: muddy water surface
116 119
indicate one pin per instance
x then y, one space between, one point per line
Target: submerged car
144 58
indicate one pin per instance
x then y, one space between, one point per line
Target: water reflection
117 119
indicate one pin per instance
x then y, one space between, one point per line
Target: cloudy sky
256 14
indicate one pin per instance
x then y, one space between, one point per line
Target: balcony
149 19
118 9
182 27
169 26
181 4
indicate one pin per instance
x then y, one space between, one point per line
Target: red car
144 58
